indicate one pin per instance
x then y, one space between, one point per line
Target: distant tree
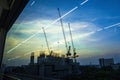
71 77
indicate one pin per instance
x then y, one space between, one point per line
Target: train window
56 38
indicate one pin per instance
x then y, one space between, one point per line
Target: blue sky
88 18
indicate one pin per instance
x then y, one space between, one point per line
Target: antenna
46 40
63 29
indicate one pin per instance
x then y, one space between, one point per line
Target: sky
95 26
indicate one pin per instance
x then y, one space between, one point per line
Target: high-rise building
41 58
106 62
32 58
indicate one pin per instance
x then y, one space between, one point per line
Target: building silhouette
32 58
52 66
106 62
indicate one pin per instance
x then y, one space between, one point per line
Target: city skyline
89 22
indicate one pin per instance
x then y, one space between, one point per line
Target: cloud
82 35
31 27
23 30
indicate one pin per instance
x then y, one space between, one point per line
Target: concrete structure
106 62
116 66
32 58
41 58
52 66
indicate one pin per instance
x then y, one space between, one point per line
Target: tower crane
68 50
46 41
74 51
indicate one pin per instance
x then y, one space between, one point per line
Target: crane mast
74 51
71 36
46 40
68 52
63 30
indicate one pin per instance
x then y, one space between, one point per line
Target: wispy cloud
52 34
80 30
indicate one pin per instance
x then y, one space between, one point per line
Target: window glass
94 25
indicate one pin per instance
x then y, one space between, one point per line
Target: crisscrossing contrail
70 11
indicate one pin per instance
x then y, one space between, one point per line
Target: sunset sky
95 28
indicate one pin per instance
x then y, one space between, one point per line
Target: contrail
73 9
40 30
85 35
23 42
70 11
14 58
112 26
45 28
99 30
32 3
83 2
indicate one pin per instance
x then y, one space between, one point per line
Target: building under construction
52 66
